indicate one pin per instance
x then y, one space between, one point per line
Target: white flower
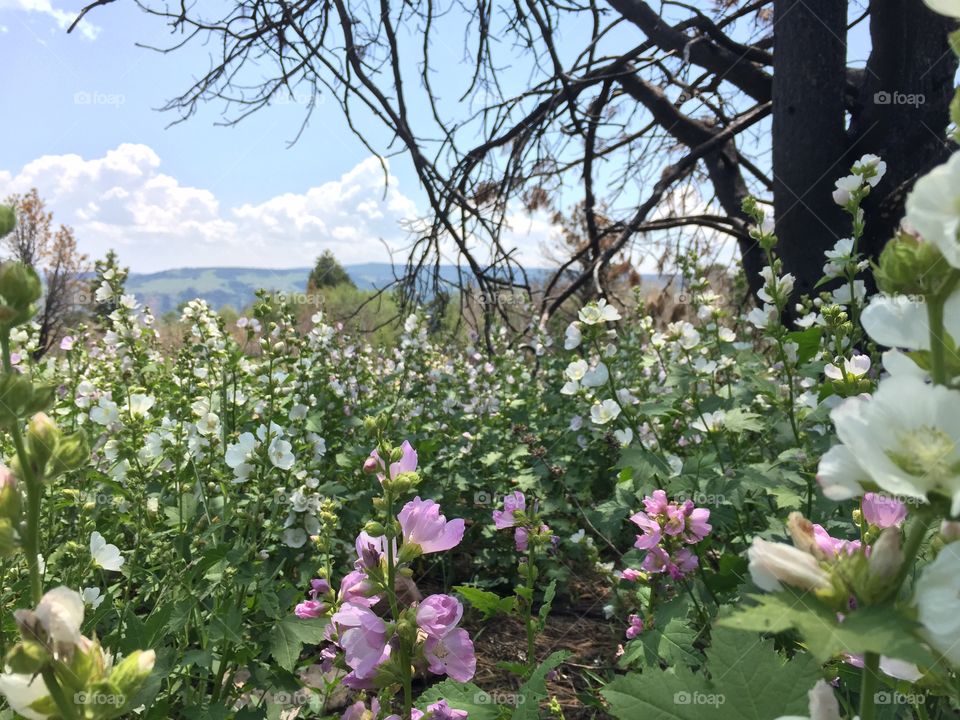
840 475
905 437
280 454
578 536
598 312
60 612
933 208
845 187
103 293
901 321
605 412
208 424
774 563
841 296
139 405
710 422
239 452
936 599
624 437
576 370
298 412
21 691
576 422
857 366
871 162
951 8
761 317
573 337
823 704
596 377
105 412
294 537
726 334
105 555
92 596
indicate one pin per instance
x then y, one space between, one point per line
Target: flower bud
71 452
42 439
774 563
370 465
909 266
886 559
27 657
20 288
9 495
8 219
374 529
801 531
132 671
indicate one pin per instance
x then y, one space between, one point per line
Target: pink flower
630 574
503 519
651 531
370 550
636 626
355 588
675 520
406 463
358 711
363 637
684 562
422 525
657 503
697 526
310 609
439 711
883 512
521 538
66 343
437 615
451 655
831 546
319 586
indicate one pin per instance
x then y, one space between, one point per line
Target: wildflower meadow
742 512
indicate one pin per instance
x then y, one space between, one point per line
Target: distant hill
165 291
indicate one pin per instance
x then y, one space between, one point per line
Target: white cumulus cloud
123 201
63 18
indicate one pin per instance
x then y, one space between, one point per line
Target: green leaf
548 596
870 629
672 644
739 420
749 680
808 342
462 696
535 688
486 602
288 637
643 463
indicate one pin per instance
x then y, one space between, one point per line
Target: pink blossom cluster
668 529
507 518
635 626
878 510
437 711
314 608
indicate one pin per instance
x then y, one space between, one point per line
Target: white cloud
123 201
63 18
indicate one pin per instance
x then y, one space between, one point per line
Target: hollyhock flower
22 691
104 555
92 597
371 550
823 704
452 655
598 312
572 337
512 502
635 628
631 574
774 563
937 590
60 613
422 525
709 421
697 527
604 412
363 636
521 539
950 8
407 462
831 546
905 437
933 208
883 512
839 474
845 187
651 531
359 711
901 321
280 455
438 711
139 404
437 615
310 609
355 589
657 503
67 342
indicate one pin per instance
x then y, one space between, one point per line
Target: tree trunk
809 140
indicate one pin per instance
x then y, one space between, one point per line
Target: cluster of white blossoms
584 376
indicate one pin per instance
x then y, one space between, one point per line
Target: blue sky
81 124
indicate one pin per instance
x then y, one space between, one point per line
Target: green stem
404 660
528 615
938 371
868 686
67 709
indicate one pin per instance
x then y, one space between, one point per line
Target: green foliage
327 273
